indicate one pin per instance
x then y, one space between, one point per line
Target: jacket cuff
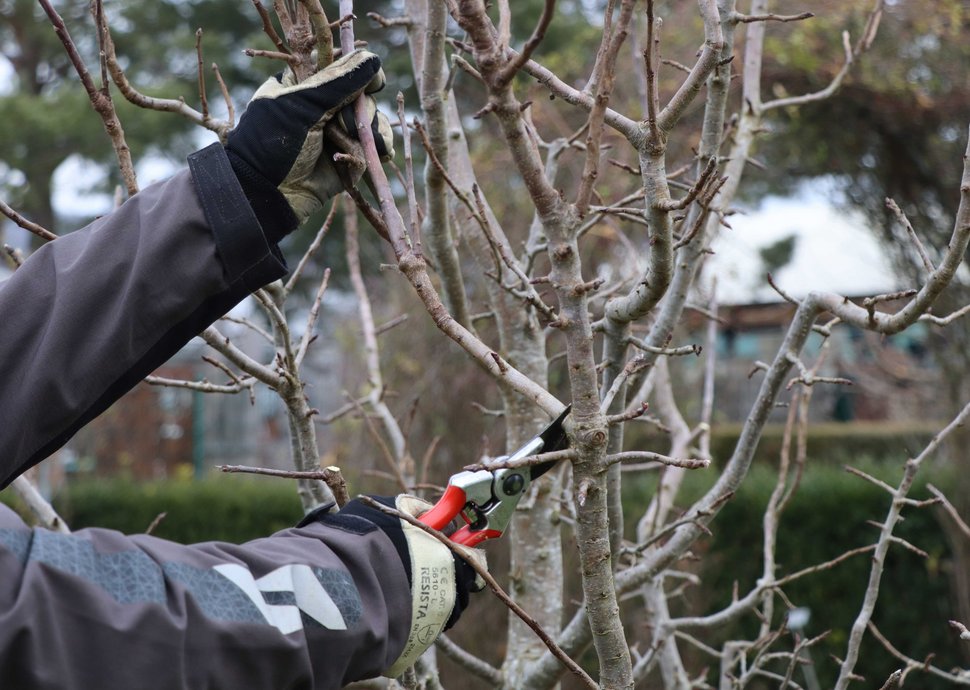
267 201
241 243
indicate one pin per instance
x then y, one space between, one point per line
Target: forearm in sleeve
314 607
90 314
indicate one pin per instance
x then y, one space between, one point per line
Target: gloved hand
440 581
278 150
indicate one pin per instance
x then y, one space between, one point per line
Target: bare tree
550 299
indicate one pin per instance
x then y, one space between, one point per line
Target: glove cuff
430 567
270 206
439 580
433 586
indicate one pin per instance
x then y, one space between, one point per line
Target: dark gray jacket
81 322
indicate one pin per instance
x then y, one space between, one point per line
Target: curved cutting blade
553 438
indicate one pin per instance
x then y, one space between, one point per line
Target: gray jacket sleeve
312 607
93 312
81 322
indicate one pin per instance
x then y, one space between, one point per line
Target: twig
203 99
904 221
697 188
173 105
14 256
331 476
946 320
528 461
784 295
201 386
913 664
604 75
749 18
392 461
632 367
465 66
281 327
311 320
872 480
436 162
516 63
643 455
668 351
288 58
950 510
710 372
155 522
100 98
385 327
812 380
471 663
672 527
337 484
38 505
500 245
907 545
409 175
312 249
556 650
556 86
702 218
28 225
628 415
388 22
415 269
224 90
223 368
961 629
242 321
268 27
221 344
105 106
851 54
879 557
893 681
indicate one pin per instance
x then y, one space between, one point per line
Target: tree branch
100 98
27 225
38 505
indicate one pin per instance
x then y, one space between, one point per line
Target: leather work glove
279 150
440 581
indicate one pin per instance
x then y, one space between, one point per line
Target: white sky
834 250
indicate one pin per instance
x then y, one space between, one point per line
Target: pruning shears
486 499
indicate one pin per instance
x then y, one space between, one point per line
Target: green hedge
826 517
829 443
225 508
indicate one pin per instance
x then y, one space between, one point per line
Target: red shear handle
469 537
445 510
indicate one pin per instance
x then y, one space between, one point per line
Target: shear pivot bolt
513 484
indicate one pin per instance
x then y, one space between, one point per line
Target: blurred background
813 215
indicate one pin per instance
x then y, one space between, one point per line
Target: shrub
233 509
828 516
830 443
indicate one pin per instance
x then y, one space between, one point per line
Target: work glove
440 581
280 152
